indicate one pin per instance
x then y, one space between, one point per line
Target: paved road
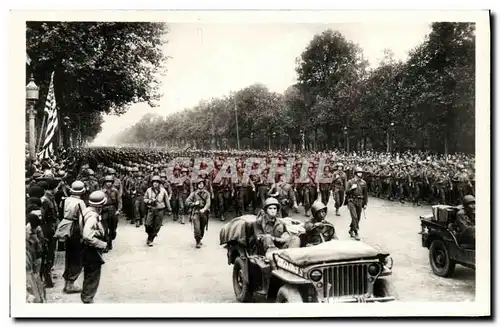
175 271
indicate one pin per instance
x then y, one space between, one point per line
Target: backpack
69 229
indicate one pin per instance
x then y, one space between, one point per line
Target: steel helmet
77 187
111 171
97 199
317 206
271 201
468 199
108 178
90 171
156 178
358 170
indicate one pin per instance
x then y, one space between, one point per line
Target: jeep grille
343 280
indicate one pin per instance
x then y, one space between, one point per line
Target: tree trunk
315 139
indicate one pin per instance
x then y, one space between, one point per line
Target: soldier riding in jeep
277 259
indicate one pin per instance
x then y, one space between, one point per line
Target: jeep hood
335 250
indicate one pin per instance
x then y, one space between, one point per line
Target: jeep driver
318 229
271 232
466 221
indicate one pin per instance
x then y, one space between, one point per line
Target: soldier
168 188
357 199
241 191
140 189
156 199
315 227
270 232
49 225
284 193
199 202
297 185
326 188
117 183
93 245
225 191
176 200
73 207
415 183
263 187
110 211
128 204
253 191
339 183
185 191
310 191
218 195
442 183
466 222
464 185
92 182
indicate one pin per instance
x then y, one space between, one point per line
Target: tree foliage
337 101
99 67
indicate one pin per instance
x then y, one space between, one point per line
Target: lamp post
251 138
346 138
274 139
67 136
32 95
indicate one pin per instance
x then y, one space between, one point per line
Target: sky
211 60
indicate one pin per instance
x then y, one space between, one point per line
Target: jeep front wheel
240 285
439 258
288 294
384 288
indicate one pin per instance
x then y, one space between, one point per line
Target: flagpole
41 133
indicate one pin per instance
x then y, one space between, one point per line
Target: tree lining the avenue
99 68
424 103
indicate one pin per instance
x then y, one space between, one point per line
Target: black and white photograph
208 159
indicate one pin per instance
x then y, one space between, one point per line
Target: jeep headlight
316 275
388 262
374 269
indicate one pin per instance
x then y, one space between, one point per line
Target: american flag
52 122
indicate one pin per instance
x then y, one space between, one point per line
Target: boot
351 233
183 219
48 280
337 213
356 236
137 223
222 218
307 213
198 244
69 288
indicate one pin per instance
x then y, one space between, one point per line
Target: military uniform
339 184
93 245
109 214
157 201
199 202
357 199
286 197
49 225
326 188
